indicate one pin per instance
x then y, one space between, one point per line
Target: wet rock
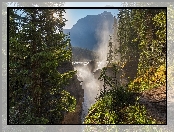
92 66
97 73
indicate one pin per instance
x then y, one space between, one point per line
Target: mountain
85 32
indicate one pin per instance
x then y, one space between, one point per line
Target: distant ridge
83 33
80 54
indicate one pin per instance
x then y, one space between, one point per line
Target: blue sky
73 15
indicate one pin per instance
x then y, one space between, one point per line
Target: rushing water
90 84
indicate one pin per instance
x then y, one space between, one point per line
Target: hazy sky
73 15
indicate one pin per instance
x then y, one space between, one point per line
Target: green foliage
99 114
25 118
136 114
126 35
118 106
68 102
108 80
152 78
37 49
80 54
142 38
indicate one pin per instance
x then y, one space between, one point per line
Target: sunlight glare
55 15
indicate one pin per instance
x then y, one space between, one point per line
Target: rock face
155 103
92 66
75 89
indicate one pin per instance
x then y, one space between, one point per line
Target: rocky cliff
75 89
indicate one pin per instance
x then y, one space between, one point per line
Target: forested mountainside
80 54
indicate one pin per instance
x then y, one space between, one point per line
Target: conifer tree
116 45
110 53
138 35
37 47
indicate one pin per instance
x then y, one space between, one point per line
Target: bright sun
55 15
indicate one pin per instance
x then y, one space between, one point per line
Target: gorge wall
75 89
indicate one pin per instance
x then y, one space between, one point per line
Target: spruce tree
138 35
37 48
116 45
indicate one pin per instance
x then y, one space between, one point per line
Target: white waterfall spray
90 84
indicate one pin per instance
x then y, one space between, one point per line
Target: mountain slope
85 32
80 54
